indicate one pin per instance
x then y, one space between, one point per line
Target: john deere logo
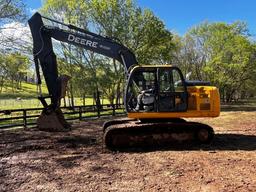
86 42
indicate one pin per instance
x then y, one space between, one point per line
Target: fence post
114 111
24 118
80 113
98 110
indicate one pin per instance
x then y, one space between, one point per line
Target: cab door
172 91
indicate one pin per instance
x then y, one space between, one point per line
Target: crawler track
121 134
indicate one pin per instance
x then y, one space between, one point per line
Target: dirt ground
31 160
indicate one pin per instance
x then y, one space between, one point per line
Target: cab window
170 81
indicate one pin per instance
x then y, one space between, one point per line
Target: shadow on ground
222 142
76 141
25 141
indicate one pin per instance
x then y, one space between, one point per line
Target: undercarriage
130 133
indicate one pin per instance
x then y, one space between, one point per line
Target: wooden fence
27 117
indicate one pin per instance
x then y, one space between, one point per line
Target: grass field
35 103
27 91
27 98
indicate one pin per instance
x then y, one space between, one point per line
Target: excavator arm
45 57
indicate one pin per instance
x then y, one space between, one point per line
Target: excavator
157 98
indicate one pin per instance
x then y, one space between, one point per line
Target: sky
180 15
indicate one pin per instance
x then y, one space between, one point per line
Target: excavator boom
44 56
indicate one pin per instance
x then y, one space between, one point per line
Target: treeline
14 65
14 68
138 29
221 53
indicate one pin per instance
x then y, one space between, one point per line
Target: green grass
27 91
25 97
28 97
35 103
19 122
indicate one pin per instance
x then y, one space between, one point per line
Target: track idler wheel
204 135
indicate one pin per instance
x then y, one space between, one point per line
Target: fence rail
27 117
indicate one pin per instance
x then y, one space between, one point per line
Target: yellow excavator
157 97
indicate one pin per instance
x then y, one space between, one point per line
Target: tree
3 72
139 30
11 10
122 20
14 68
221 53
188 57
13 33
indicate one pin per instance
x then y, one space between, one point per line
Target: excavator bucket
53 120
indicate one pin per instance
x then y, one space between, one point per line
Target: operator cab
156 89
